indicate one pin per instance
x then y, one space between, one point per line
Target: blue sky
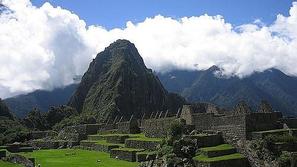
115 13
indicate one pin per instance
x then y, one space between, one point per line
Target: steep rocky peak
123 49
118 83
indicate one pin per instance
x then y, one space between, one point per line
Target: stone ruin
220 125
235 124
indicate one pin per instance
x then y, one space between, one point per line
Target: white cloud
43 48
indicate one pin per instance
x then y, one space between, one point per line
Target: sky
115 13
44 44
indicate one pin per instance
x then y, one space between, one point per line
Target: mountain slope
11 129
118 83
41 99
271 85
4 111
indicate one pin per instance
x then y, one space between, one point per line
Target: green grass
104 142
119 135
143 138
128 149
76 158
3 147
8 164
217 148
203 158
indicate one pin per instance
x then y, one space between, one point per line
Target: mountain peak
121 43
118 83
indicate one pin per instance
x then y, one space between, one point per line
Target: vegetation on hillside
42 99
37 120
11 129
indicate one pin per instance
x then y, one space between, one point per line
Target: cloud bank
44 48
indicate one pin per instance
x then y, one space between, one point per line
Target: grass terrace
128 149
203 158
217 148
143 138
75 158
104 142
8 164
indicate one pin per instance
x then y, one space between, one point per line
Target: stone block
216 153
125 154
224 163
144 156
142 144
2 153
207 140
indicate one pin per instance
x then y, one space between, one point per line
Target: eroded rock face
242 108
265 107
118 83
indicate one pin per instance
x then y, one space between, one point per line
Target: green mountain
271 85
4 111
10 128
42 99
118 83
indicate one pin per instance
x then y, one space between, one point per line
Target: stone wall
123 155
203 121
227 163
19 159
52 144
147 145
2 153
129 127
157 127
143 156
79 132
263 121
290 122
234 125
42 134
207 140
187 114
107 127
231 126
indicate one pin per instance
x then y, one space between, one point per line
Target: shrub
285 159
185 148
176 130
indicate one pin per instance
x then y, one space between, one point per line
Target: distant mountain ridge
41 99
271 85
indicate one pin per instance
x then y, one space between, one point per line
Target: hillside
271 85
4 111
41 99
118 83
10 128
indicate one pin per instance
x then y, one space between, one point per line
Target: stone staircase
129 147
219 156
136 147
